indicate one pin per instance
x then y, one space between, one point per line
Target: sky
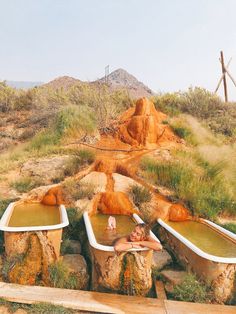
169 45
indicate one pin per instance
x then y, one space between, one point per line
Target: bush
37 308
25 184
191 290
183 130
139 195
42 139
74 121
75 219
61 277
47 308
229 226
75 190
75 163
200 188
168 103
202 104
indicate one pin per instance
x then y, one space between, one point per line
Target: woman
139 238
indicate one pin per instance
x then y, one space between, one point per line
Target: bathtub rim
8 211
108 248
195 249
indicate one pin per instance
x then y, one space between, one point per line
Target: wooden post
224 77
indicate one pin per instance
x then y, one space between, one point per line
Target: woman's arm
123 244
151 244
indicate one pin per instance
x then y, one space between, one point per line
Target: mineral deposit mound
143 125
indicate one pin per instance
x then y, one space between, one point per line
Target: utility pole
106 74
224 76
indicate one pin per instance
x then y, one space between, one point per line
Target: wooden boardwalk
104 302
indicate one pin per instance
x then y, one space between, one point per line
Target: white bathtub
217 271
198 251
16 238
108 266
93 242
9 210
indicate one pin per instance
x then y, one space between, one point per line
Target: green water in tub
124 225
205 238
34 214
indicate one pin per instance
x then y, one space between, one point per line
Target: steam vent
143 125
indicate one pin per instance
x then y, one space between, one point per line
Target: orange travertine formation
54 196
178 212
142 125
115 203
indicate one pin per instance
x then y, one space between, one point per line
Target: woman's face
136 234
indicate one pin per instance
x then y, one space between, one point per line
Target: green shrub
74 121
202 104
25 184
60 276
191 290
75 218
37 308
47 308
75 163
168 103
85 156
42 139
66 248
182 132
75 190
229 226
200 188
139 195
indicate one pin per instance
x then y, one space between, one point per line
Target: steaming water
205 238
124 225
28 215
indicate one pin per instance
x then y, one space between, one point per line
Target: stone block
161 259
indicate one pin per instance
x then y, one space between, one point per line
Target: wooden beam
81 300
160 290
231 77
179 307
224 77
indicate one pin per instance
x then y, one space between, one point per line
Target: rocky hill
122 79
118 79
62 82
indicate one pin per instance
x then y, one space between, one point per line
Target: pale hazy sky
169 45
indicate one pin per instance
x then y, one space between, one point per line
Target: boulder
45 169
161 259
123 183
173 278
97 179
78 267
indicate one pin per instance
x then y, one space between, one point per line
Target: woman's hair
145 229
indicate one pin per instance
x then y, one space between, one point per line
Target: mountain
23 84
118 79
62 82
122 79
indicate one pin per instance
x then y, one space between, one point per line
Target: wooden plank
81 300
177 307
160 290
